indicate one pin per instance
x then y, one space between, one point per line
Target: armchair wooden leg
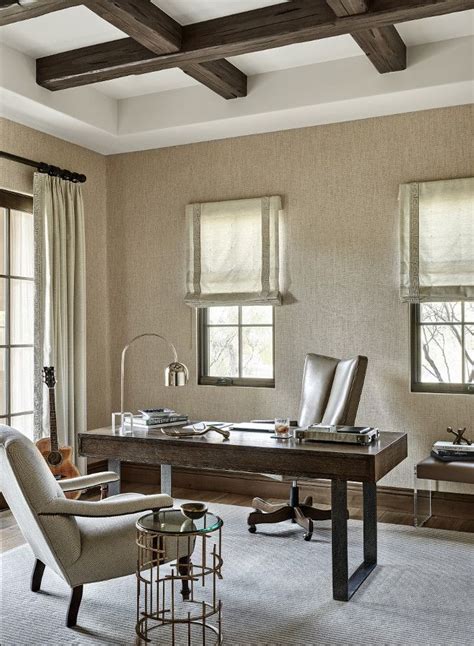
104 491
305 523
71 619
37 576
184 568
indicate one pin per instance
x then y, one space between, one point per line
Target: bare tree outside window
443 347
237 346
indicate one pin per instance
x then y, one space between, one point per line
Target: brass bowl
194 510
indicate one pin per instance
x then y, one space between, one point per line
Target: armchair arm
113 506
86 482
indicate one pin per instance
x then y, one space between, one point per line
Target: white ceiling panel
432 30
58 32
316 51
188 11
130 86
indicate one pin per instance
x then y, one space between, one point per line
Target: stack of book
449 452
158 418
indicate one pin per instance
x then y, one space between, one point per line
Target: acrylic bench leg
420 517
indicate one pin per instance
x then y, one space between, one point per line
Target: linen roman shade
437 241
233 252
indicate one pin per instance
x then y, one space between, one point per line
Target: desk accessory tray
343 434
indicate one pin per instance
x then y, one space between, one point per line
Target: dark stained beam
383 46
348 7
143 21
13 12
220 76
264 28
154 29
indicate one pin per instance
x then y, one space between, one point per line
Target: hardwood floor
10 535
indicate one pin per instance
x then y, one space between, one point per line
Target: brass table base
173 599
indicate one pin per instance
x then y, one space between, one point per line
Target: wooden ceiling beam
141 20
219 76
154 29
383 46
14 12
274 26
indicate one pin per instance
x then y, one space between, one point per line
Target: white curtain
233 252
437 241
60 305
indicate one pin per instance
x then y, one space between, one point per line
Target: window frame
11 201
204 379
418 386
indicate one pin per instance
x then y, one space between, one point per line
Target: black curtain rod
42 167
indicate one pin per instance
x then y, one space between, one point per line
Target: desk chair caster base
303 514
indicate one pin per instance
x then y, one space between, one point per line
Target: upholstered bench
433 469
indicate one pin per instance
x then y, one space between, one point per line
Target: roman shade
233 252
437 241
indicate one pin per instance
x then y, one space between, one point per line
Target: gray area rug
276 591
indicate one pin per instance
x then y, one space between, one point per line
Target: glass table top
173 521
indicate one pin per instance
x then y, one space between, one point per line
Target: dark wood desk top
252 452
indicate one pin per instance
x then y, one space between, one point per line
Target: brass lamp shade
176 374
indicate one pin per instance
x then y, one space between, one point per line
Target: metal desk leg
114 487
340 568
370 523
166 479
343 585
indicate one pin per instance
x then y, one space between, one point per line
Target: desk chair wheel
252 529
308 536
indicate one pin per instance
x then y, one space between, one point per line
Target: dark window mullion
7 250
240 341
463 346
434 387
204 349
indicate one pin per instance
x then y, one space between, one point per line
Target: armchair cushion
86 482
108 545
114 506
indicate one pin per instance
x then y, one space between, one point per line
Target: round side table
179 563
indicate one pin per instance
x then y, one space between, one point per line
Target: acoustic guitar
58 459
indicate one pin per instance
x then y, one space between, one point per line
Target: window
16 312
443 347
237 346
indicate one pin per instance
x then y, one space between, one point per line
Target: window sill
443 389
239 383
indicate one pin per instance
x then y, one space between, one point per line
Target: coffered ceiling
259 65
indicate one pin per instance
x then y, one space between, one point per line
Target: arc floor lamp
176 374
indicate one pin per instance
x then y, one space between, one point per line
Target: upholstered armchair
82 541
330 394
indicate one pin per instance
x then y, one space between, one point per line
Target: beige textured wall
19 140
339 184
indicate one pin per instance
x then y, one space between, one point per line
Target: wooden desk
259 453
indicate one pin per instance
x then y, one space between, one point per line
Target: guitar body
59 459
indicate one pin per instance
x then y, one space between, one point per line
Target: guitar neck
53 430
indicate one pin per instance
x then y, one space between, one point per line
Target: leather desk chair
81 541
330 394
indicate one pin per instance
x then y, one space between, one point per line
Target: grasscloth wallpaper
339 185
35 145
